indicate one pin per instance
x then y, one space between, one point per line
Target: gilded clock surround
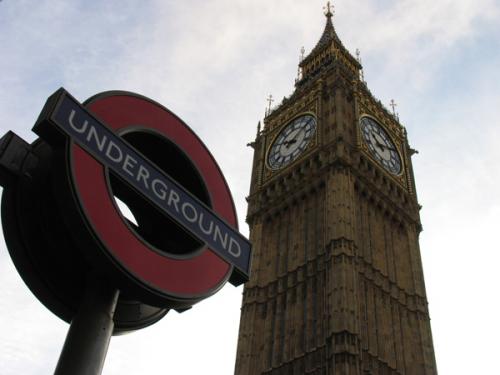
278 119
397 144
370 107
277 132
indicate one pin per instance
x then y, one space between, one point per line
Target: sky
213 63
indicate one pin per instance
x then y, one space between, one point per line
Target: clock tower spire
329 49
337 285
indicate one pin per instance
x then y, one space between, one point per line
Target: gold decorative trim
312 142
397 141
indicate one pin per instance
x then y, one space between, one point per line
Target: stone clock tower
337 284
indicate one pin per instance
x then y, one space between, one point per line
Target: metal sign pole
88 337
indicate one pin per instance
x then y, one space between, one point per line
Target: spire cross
299 69
269 101
329 10
358 57
393 105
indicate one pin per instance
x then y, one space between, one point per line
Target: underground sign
120 149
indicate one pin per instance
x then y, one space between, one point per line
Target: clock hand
383 146
377 143
380 145
290 142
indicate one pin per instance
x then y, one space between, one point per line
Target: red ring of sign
202 274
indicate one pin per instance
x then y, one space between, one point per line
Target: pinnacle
329 35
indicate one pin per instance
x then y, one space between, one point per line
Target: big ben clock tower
337 284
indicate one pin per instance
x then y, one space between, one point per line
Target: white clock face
291 142
380 145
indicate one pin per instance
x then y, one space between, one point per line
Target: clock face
380 145
291 141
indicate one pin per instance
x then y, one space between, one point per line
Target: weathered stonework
337 284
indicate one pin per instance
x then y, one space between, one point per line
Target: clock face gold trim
380 145
291 141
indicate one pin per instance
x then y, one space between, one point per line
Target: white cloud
411 40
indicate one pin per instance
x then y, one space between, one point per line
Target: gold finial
270 100
393 105
394 113
361 73
299 69
329 10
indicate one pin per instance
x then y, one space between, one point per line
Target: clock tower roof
328 48
329 35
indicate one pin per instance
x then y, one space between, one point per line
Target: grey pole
88 337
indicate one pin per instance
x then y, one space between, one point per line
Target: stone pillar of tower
337 284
